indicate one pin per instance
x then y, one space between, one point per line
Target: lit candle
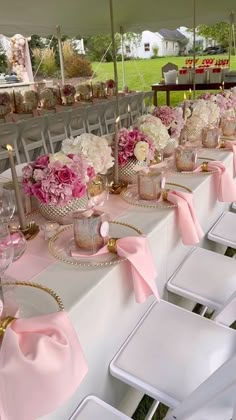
223 86
190 94
19 203
129 115
116 152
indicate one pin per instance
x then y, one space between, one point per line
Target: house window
127 49
147 47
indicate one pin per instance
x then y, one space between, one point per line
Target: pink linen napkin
225 184
41 365
137 251
230 144
190 229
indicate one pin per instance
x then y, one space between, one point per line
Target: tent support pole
194 49
231 28
116 163
61 54
123 58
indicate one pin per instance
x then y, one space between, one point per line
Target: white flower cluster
94 148
204 113
154 129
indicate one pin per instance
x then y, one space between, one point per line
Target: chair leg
230 252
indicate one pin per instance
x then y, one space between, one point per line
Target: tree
97 46
218 32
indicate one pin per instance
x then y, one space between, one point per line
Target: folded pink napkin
190 229
231 144
41 365
225 184
137 251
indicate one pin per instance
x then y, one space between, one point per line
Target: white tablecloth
101 302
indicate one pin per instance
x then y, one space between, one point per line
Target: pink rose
39 193
27 187
79 190
65 175
39 174
27 171
41 162
90 172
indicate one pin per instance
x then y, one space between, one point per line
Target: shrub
75 65
48 65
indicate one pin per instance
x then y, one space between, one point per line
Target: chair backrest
57 128
110 117
147 101
8 134
78 120
214 399
167 67
32 129
95 118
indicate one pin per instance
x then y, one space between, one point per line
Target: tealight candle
210 137
185 159
49 229
149 185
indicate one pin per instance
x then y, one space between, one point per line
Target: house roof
170 35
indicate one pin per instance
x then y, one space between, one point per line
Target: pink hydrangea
127 142
172 118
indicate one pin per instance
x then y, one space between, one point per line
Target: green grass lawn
141 74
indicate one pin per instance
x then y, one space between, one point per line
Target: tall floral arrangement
172 118
95 149
154 129
133 143
57 179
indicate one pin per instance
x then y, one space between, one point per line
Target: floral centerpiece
110 87
68 92
134 148
48 98
98 90
95 149
24 103
83 92
59 183
173 120
156 131
5 104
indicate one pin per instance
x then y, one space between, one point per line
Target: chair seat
205 277
224 230
171 352
93 408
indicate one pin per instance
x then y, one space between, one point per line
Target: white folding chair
234 206
171 352
205 277
147 101
215 399
57 129
93 408
8 135
123 112
94 119
135 104
110 116
77 122
224 232
32 137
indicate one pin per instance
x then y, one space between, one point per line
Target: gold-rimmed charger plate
62 243
200 160
130 195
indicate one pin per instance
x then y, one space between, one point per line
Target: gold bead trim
46 289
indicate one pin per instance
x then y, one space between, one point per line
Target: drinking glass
7 204
6 252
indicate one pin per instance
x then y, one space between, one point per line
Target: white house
164 42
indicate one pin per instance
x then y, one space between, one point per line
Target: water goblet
7 204
6 253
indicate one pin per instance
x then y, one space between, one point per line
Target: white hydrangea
155 130
94 148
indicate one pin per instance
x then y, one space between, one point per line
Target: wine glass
7 204
6 252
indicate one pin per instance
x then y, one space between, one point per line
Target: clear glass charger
171 168
130 195
62 243
28 299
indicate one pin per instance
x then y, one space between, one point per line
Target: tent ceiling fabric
90 17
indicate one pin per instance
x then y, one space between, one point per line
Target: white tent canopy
90 17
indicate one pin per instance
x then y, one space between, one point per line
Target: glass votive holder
49 229
91 229
185 159
228 126
210 137
149 184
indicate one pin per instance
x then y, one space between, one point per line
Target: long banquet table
100 301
